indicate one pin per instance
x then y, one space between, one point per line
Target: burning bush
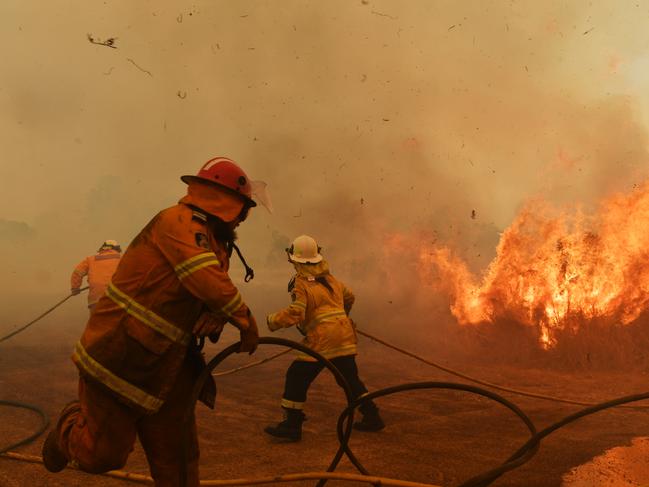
576 282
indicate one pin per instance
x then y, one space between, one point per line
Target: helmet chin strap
250 273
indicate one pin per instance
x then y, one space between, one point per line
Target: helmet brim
195 179
301 260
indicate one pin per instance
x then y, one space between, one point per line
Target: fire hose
45 421
39 317
448 370
521 456
376 339
344 425
482 382
524 454
251 364
345 420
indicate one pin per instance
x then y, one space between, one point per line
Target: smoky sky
364 117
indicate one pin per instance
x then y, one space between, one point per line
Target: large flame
556 270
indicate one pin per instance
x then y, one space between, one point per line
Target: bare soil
622 466
441 437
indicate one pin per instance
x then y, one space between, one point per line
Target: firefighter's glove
271 323
249 335
74 291
210 325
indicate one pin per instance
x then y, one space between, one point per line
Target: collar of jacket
312 270
213 201
107 251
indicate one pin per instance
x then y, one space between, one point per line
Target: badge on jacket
202 241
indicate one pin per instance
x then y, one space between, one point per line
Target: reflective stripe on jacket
99 269
140 331
320 314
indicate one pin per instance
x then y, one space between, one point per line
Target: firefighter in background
99 268
137 356
320 306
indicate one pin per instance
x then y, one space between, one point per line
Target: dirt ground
441 437
622 466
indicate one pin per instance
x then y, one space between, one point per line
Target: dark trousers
301 374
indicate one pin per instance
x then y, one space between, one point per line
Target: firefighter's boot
291 428
371 420
54 458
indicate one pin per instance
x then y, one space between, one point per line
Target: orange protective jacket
141 330
99 269
320 314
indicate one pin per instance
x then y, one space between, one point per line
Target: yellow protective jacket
138 336
99 269
320 314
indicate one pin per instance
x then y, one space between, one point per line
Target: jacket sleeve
79 272
348 299
198 268
294 314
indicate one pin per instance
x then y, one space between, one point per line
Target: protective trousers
301 374
98 432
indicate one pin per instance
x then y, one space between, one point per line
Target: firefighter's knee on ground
101 460
102 465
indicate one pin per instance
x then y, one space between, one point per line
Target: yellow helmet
304 250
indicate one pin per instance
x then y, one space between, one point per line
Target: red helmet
226 173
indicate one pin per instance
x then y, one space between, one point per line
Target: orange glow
555 270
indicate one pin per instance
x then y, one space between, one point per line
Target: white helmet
304 250
110 245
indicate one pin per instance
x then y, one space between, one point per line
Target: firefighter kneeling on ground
99 269
137 357
320 309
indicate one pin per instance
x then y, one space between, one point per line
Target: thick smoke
368 120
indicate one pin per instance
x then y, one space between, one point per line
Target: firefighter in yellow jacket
98 269
320 306
137 356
